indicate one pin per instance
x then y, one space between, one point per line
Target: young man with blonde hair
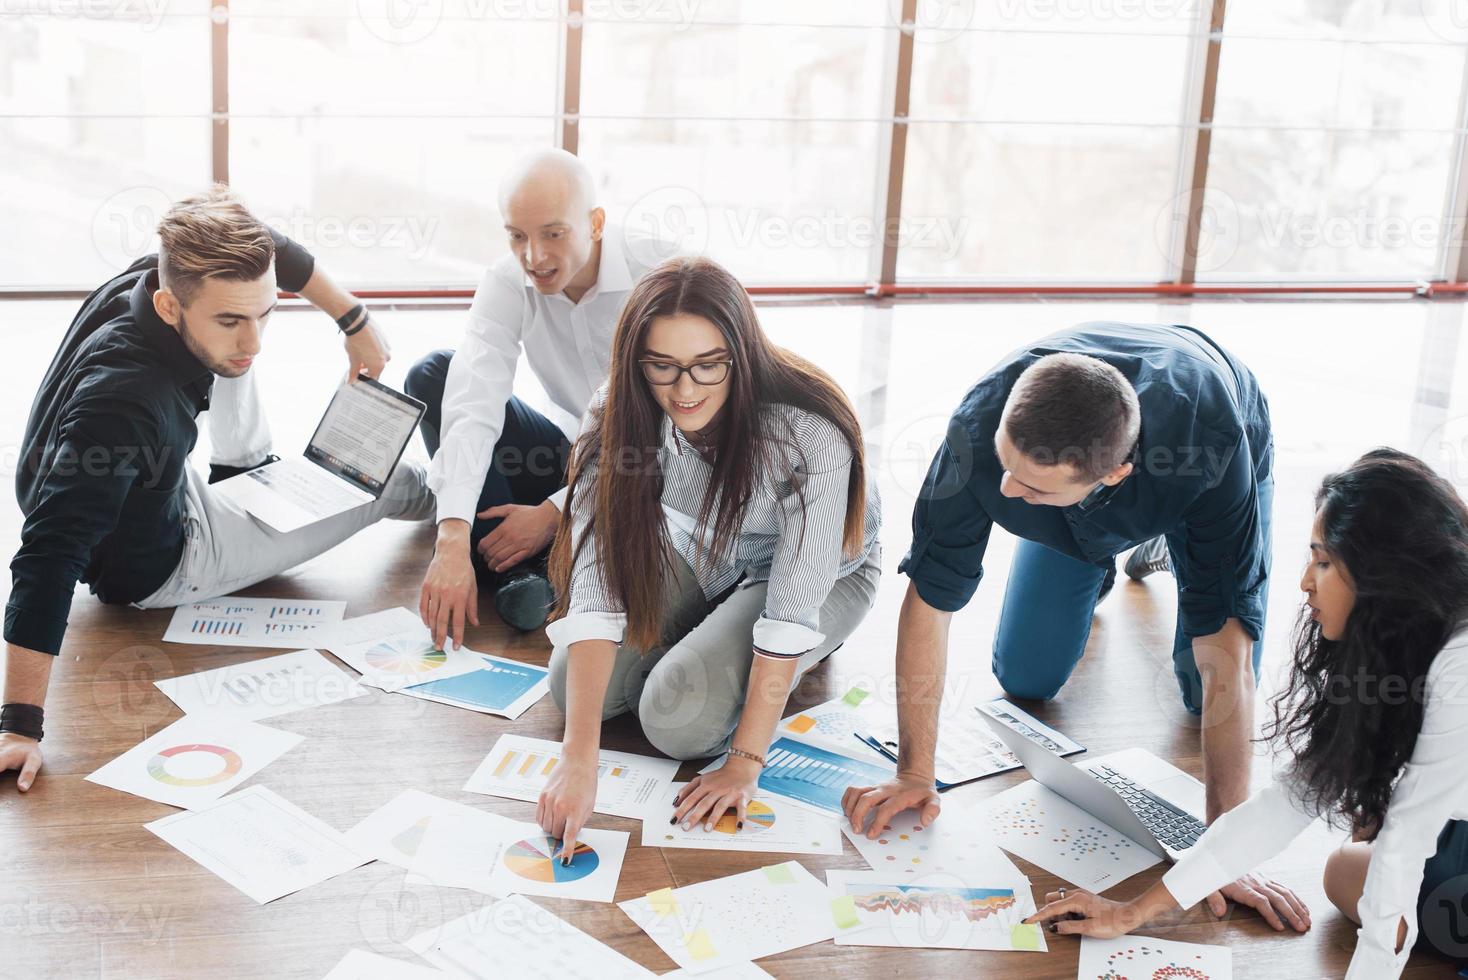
108 496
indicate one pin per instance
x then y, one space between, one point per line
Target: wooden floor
85 891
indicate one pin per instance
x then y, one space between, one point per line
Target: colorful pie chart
535 859
757 816
229 764
406 657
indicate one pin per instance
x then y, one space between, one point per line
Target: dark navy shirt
1205 448
101 481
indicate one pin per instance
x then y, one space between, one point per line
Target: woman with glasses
1375 721
723 541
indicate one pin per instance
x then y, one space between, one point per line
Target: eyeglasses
704 373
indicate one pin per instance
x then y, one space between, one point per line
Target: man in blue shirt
1083 445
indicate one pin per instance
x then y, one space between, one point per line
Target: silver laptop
347 463
1134 792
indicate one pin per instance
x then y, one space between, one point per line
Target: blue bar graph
814 776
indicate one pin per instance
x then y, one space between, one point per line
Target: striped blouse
806 450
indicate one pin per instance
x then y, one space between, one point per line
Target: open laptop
347 463
1134 792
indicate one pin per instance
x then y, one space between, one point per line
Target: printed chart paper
517 768
770 824
953 848
968 750
195 760
462 850
738 971
235 621
517 938
813 777
1031 727
729 921
839 723
262 688
260 843
359 964
392 661
1144 958
501 687
872 908
394 831
1046 829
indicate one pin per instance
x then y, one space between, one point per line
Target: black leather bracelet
349 317
22 719
361 325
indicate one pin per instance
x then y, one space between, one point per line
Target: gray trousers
226 549
689 691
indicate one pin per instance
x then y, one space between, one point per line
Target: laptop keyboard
316 491
1175 828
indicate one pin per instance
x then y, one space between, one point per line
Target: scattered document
501 687
402 658
1142 956
517 938
361 965
1031 727
260 843
954 847
517 768
262 688
873 908
770 824
394 831
195 760
839 723
234 621
730 921
1046 829
814 777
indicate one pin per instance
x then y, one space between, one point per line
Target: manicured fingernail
672 820
1054 927
740 826
676 801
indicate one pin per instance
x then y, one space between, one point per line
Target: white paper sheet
399 656
462 850
507 688
262 688
952 849
235 621
195 760
836 723
394 831
770 825
1143 957
359 964
260 843
736 971
517 938
728 921
877 908
1046 829
517 768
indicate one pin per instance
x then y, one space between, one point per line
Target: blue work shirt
1205 447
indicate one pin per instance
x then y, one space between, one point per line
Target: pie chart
757 816
406 657
192 767
535 860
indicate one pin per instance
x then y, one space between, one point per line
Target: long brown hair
625 434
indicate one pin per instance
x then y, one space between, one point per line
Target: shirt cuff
587 626
1196 876
778 638
456 502
1373 961
34 630
559 499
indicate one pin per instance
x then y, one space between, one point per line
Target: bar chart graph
814 776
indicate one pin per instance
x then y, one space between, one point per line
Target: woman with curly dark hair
1375 721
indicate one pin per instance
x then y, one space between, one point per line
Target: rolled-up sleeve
950 528
293 264
479 383
808 551
1223 574
79 502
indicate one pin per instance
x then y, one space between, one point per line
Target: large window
1045 140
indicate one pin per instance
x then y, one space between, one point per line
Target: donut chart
158 765
406 657
757 816
534 859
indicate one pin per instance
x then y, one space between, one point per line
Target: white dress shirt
1430 792
568 346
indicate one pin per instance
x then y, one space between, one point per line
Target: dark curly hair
1354 706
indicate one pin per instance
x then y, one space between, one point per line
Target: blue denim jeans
1049 602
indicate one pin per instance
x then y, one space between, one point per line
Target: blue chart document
502 687
815 777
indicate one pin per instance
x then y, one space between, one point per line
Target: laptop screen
364 432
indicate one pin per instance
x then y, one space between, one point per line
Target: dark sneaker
1107 582
524 599
1148 557
218 472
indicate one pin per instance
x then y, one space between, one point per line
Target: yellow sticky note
1024 935
843 910
663 903
855 696
801 724
699 946
779 874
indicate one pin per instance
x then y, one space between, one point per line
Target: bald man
499 466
